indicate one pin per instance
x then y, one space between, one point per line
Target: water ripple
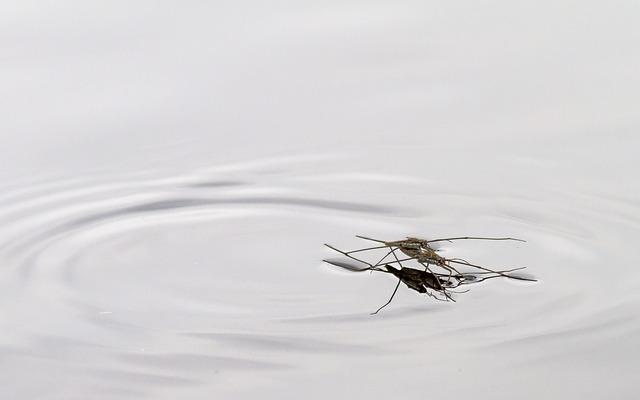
173 277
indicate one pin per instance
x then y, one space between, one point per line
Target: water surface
172 171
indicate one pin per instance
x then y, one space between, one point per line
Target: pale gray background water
170 171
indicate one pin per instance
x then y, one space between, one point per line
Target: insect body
416 279
416 248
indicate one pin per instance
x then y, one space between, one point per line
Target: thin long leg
399 261
396 257
370 268
458 259
473 238
351 257
478 279
366 249
447 267
387 303
448 296
496 272
385 256
371 239
502 271
426 266
475 266
450 273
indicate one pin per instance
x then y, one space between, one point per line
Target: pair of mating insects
425 281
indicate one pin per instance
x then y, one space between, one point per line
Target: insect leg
350 256
447 295
496 272
385 256
387 303
426 266
366 249
473 238
396 257
370 239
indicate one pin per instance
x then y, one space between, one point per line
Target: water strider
424 281
421 251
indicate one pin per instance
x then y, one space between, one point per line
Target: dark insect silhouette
415 279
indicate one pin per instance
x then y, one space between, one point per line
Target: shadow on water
364 317
216 184
160 206
275 343
196 362
184 203
138 379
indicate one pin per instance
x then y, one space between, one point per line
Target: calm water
172 172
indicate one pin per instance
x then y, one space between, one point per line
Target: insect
425 281
421 251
